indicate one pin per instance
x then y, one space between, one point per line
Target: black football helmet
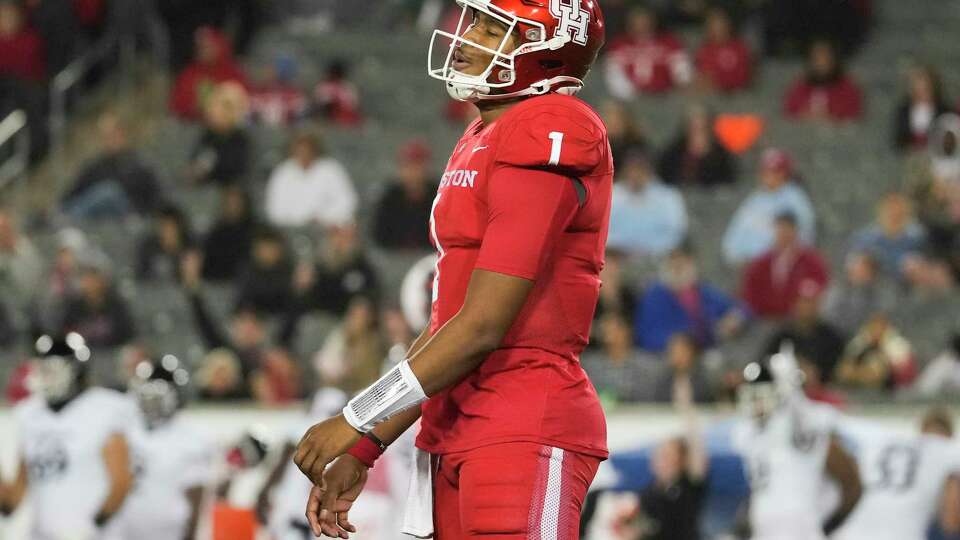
61 368
160 388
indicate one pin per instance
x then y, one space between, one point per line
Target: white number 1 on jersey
557 138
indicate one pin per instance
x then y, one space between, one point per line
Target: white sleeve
197 468
341 204
274 202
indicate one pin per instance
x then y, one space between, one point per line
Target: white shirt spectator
321 193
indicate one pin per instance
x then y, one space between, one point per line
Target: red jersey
527 196
727 65
654 65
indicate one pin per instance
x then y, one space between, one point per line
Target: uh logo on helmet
556 43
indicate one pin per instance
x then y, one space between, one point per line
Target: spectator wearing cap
647 217
695 157
310 187
115 183
222 155
645 59
825 91
22 54
213 64
680 302
158 257
96 311
814 340
20 263
277 100
724 61
915 116
403 212
752 229
877 358
336 98
773 282
862 292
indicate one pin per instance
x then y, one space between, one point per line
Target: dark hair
179 218
786 218
936 82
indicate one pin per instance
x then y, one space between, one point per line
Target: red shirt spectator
773 282
214 63
825 92
645 60
22 53
277 100
337 98
724 61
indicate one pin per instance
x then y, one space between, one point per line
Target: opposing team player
512 423
790 448
75 468
906 478
172 459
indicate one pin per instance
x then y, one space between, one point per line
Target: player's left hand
323 443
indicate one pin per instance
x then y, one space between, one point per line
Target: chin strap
471 93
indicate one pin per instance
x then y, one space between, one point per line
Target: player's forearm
842 468
116 456
950 512
195 498
391 429
12 495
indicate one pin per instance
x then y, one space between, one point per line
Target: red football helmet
558 43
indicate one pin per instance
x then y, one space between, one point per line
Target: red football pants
511 491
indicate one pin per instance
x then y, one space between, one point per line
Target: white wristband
396 391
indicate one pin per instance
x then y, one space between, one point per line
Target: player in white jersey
904 477
790 451
280 504
74 471
172 459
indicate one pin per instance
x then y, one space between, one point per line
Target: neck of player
490 111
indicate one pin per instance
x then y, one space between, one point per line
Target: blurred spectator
7 332
228 244
213 64
752 229
398 336
336 97
825 91
617 295
278 379
814 340
20 263
61 280
618 370
183 18
96 311
622 130
59 27
234 358
877 358
160 251
942 374
353 353
814 386
647 218
915 115
681 303
342 272
696 157
686 369
724 61
266 284
222 156
310 187
277 100
673 503
861 293
935 187
773 282
645 59
895 240
403 211
22 53
115 183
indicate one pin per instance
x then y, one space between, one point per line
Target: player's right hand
328 507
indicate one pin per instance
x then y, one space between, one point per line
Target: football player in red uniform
512 425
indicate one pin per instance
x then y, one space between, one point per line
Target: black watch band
376 440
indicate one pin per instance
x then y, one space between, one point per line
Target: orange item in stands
231 523
738 132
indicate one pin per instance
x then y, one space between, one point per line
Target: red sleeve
528 210
795 102
183 98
